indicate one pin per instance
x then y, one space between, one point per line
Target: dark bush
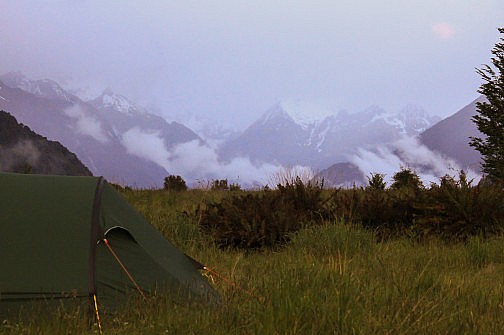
175 183
256 220
234 187
453 210
456 210
376 182
220 184
406 178
387 212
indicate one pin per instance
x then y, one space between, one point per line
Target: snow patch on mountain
45 88
321 136
120 103
303 113
416 119
411 120
296 132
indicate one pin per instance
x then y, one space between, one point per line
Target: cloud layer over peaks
193 160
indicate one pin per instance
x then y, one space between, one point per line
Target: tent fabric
50 250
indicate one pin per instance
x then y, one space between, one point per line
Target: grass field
330 279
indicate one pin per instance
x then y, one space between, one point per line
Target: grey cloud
23 151
194 161
86 124
407 152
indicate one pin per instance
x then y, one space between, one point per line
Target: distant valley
128 144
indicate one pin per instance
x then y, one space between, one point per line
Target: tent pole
124 269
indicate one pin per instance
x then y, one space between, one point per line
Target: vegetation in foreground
332 277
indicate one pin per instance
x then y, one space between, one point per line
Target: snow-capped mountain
441 149
125 115
304 114
100 132
43 88
294 132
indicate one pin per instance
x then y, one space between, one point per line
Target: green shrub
457 210
344 204
175 183
406 178
387 212
220 184
376 182
263 218
234 187
452 210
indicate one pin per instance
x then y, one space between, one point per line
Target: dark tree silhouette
490 117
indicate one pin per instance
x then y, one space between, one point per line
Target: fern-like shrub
262 219
388 212
456 210
175 183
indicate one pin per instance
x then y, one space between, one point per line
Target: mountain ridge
447 142
87 131
278 137
24 151
451 136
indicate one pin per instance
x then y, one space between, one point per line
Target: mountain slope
44 88
22 151
451 137
124 115
84 131
439 149
342 175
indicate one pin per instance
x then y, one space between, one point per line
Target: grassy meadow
330 278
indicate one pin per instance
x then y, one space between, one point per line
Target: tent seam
95 234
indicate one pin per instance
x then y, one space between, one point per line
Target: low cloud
407 152
148 146
443 30
195 161
86 124
201 162
14 157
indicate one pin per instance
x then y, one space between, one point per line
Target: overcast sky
231 60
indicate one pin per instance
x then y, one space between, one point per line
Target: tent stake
97 314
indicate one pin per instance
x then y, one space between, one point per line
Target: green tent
53 231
